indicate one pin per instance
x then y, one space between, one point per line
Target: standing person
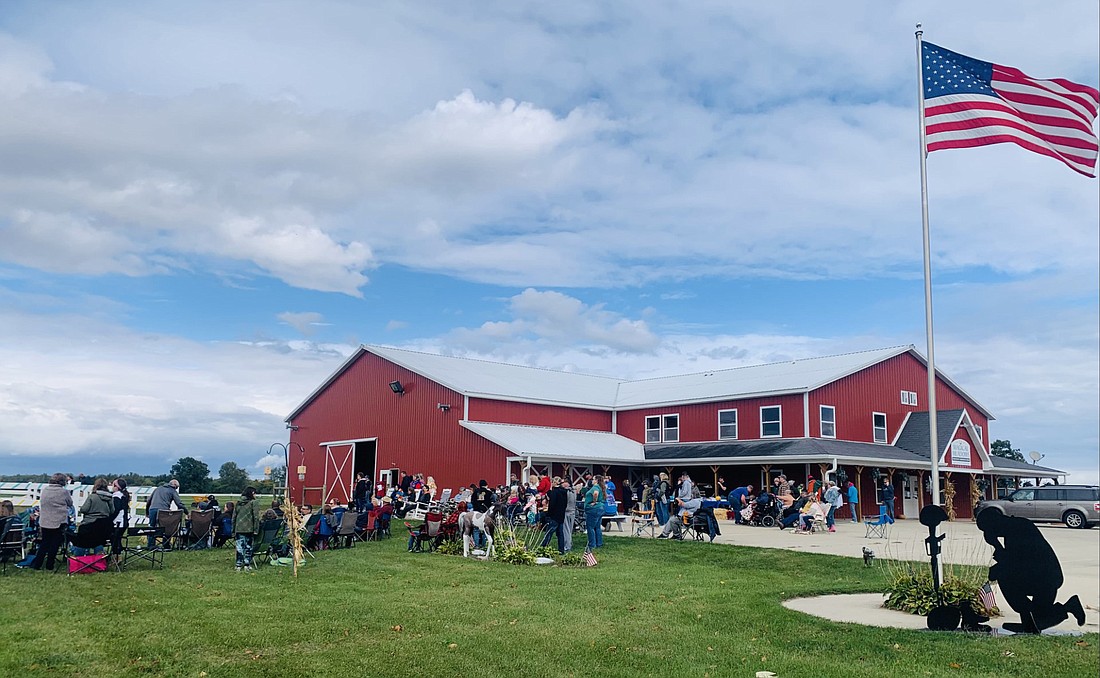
628 497
811 487
53 519
661 500
835 500
739 499
609 494
853 499
555 514
162 499
120 519
246 523
720 489
888 498
595 502
570 514
362 489
686 489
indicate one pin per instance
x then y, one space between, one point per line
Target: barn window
878 423
653 429
771 421
828 421
905 397
913 398
727 424
671 429
662 428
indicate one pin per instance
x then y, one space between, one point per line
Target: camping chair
200 532
642 520
271 539
877 529
307 530
11 541
137 551
428 533
346 529
167 531
367 528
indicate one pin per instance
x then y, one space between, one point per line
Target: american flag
969 102
589 558
989 601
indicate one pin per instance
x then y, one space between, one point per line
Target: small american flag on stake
989 601
589 558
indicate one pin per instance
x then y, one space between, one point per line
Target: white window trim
658 429
771 407
735 425
885 428
981 434
664 437
821 420
913 398
905 397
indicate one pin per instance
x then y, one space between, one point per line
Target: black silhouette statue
946 617
1028 572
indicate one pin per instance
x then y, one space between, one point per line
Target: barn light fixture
443 407
396 387
292 427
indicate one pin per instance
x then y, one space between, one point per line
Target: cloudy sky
205 206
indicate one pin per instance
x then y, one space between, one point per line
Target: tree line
193 474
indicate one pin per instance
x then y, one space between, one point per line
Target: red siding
699 422
413 434
528 414
878 389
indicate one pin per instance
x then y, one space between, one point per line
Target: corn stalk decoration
975 495
949 496
293 533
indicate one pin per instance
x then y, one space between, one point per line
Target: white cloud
305 322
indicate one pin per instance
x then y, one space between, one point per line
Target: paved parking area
1078 550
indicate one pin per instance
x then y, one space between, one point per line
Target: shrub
912 590
570 560
450 547
545 552
515 555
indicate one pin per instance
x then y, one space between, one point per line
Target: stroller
766 511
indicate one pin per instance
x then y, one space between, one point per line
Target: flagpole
932 433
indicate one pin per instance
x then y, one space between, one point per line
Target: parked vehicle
1075 505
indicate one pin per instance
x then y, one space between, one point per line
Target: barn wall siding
529 414
413 434
878 389
699 422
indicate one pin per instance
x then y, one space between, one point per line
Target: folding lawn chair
346 529
134 547
271 538
200 533
167 533
642 520
11 541
877 529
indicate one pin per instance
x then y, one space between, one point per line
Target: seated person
811 512
790 515
676 520
95 525
277 507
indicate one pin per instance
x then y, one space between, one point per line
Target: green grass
678 609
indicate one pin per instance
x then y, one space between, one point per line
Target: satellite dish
1035 456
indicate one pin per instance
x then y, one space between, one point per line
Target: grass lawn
669 608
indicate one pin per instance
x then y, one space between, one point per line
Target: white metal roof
560 444
739 382
503 381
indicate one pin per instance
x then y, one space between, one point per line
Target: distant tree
232 479
194 475
1004 448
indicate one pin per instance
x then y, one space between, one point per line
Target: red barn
856 417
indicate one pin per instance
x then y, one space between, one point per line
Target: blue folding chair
876 529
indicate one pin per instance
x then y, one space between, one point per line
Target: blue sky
204 208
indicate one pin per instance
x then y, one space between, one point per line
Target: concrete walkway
1077 550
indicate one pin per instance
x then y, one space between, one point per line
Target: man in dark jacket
555 515
482 499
